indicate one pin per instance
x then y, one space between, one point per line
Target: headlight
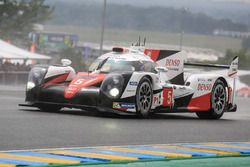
112 85
30 85
36 76
114 92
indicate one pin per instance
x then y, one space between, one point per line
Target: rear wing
233 67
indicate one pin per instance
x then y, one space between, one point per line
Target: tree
17 17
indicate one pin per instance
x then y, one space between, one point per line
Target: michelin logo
118 105
128 105
133 83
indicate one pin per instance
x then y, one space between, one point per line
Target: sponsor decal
116 105
123 106
127 105
131 91
204 79
173 69
233 68
182 88
204 87
157 100
201 79
172 62
133 83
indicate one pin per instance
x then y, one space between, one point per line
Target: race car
133 80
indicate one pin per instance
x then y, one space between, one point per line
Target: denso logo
204 87
172 62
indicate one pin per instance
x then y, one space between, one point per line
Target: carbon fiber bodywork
85 98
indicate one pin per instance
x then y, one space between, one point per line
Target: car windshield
114 65
118 65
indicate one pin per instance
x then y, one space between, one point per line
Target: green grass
128 37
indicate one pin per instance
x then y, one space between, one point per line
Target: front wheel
144 95
218 102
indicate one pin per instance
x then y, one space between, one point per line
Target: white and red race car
134 80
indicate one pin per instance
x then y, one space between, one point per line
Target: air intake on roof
119 49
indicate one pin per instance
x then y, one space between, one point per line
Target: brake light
119 49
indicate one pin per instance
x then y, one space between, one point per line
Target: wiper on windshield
102 63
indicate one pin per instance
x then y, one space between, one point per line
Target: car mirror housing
66 62
161 69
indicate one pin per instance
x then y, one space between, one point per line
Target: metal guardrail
13 77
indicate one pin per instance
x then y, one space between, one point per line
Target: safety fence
13 77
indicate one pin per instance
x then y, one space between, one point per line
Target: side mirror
66 62
161 69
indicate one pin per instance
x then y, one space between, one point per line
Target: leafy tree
152 18
17 17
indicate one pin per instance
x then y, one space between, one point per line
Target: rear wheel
218 102
144 95
50 108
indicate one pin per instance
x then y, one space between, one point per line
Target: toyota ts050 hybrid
133 80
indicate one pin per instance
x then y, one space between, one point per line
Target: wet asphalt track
23 128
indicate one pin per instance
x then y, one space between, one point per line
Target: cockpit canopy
121 65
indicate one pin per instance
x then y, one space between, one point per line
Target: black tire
218 102
50 108
144 98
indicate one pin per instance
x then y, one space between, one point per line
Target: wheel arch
223 80
150 78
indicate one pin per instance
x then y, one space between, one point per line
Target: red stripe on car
201 103
82 80
152 53
58 79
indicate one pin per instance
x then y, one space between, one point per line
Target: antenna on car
144 41
138 43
